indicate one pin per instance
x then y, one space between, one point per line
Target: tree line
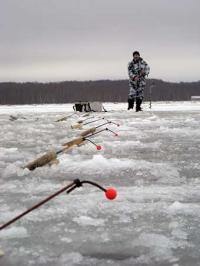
100 90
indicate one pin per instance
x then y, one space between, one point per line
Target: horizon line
95 80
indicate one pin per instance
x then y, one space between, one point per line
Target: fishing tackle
80 124
110 194
66 117
51 156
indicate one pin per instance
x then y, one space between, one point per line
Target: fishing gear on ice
110 194
80 124
51 156
68 116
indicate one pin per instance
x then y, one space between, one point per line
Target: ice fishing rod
91 135
83 120
107 122
50 157
79 125
110 194
85 136
92 131
66 117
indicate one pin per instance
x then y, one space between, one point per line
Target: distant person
138 70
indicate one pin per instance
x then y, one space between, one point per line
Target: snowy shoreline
44 108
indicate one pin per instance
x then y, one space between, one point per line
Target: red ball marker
98 147
111 193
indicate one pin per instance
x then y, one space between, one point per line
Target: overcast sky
53 40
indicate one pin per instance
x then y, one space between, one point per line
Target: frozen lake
153 164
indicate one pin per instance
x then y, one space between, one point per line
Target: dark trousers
138 104
130 103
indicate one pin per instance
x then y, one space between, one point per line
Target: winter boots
138 105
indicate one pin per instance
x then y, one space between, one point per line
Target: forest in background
100 90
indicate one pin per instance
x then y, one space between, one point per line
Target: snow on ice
153 164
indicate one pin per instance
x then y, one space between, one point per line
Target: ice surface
13 232
153 164
85 221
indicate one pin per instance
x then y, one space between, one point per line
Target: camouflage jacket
135 69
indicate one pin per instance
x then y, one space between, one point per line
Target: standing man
137 71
